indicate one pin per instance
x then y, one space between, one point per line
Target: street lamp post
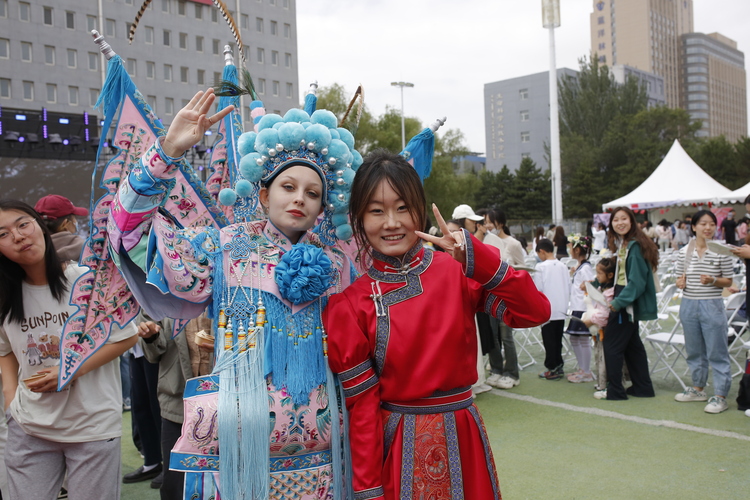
403 130
551 20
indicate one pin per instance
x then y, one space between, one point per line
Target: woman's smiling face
388 223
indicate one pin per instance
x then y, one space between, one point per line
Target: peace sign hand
191 123
452 243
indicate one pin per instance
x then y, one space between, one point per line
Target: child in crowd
407 371
579 333
596 315
552 279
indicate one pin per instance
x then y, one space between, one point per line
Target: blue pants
705 326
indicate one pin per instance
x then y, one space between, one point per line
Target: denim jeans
503 334
705 328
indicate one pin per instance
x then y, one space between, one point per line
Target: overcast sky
450 48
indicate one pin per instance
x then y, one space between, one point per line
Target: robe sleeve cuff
483 263
370 494
358 379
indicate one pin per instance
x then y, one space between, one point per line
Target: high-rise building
714 84
48 58
644 34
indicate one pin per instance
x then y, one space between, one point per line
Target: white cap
465 212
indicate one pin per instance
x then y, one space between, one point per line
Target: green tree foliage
722 161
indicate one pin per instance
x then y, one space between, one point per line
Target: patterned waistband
439 402
297 462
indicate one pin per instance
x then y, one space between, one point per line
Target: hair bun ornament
314 140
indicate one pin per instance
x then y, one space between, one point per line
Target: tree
721 160
529 195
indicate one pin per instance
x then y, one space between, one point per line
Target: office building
714 85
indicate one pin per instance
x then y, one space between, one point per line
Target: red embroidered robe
403 341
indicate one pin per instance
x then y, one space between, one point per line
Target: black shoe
139 475
158 481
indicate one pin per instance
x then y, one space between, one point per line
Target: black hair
699 215
649 250
546 245
12 275
609 266
584 245
54 225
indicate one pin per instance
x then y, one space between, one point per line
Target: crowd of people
283 325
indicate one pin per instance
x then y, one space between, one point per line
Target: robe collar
386 268
280 240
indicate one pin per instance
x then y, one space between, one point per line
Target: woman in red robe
403 341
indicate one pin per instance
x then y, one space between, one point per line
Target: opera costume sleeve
168 268
349 356
507 294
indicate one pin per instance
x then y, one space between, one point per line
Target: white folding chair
675 342
737 327
527 338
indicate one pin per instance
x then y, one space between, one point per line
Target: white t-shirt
599 237
90 408
584 272
553 280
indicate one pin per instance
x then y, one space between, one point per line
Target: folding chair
676 343
526 338
663 299
737 327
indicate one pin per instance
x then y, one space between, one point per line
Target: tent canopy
738 195
678 180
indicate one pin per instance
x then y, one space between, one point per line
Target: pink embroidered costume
404 344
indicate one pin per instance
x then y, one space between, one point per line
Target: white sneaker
507 382
494 379
716 404
747 413
479 389
601 394
691 394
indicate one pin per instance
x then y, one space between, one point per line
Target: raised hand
452 243
191 122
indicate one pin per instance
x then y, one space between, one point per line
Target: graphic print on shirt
41 343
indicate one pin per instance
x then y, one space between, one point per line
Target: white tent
738 195
678 180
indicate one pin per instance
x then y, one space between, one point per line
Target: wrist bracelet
714 281
169 160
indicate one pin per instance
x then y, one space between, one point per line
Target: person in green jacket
635 300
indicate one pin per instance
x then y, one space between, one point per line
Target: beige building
713 86
644 34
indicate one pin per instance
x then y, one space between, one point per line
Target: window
600 33
169 106
28 91
274 28
150 70
261 85
51 92
275 88
201 77
261 55
289 90
245 22
272 2
525 137
259 24
3 8
602 46
24 11
525 116
167 38
274 58
73 96
165 6
600 20
167 72
199 43
183 40
93 61
131 67
151 100
70 20
72 58
523 94
184 74
26 51
92 23
286 4
214 16
48 16
603 59
49 54
198 11
5 88
288 60
181 7
4 48
109 28
215 46
93 97
247 117
217 78
287 30
149 34
246 52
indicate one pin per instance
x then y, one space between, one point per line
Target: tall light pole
551 20
403 130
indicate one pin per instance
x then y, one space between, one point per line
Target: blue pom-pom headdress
300 138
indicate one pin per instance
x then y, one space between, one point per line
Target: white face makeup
294 200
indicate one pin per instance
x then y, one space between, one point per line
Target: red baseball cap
54 206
